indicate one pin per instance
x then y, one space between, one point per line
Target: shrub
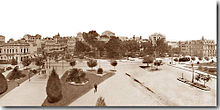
92 63
99 71
2 70
207 58
8 68
14 62
34 71
73 63
200 58
100 102
76 75
212 61
198 62
54 88
147 59
157 63
114 63
3 84
193 58
26 62
176 59
15 74
184 59
212 69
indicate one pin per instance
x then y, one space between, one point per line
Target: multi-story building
71 43
79 36
154 37
14 50
123 38
173 44
201 48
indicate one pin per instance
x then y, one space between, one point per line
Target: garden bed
195 84
73 92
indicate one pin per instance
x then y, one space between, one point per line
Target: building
123 38
30 38
79 36
156 36
104 38
2 39
14 50
173 44
71 44
200 48
108 33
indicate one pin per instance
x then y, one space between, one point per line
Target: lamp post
192 73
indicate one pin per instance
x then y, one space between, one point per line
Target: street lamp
192 73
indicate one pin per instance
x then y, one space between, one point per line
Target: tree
92 63
113 47
147 59
26 62
15 74
39 62
81 47
205 79
114 63
100 102
3 84
161 47
76 75
54 88
14 62
91 37
73 63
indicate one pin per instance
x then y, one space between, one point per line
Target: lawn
73 92
12 83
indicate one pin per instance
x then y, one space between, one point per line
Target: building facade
200 48
16 50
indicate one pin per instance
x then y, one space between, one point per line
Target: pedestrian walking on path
95 88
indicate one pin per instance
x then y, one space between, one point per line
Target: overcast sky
176 19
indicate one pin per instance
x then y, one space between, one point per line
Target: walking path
31 93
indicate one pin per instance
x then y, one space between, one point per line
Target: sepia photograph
108 53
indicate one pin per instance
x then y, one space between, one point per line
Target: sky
176 19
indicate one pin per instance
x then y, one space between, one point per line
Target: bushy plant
15 74
99 71
157 63
176 59
54 88
200 58
14 62
3 84
114 63
198 62
100 102
76 75
73 63
148 59
8 68
207 58
26 62
184 59
92 63
193 58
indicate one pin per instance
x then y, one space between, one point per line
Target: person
95 87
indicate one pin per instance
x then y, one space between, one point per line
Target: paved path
119 90
31 93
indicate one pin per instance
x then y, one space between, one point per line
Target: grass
73 92
13 84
